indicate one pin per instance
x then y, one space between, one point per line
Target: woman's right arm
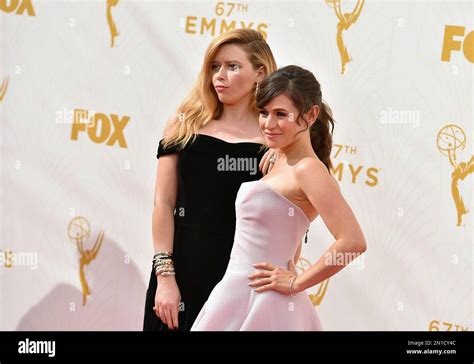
167 297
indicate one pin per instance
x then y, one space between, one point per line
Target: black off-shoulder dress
210 172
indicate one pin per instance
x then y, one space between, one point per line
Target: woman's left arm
324 193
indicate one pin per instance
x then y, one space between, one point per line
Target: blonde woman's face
233 76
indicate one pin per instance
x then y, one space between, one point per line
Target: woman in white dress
260 289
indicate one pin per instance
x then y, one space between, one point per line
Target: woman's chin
272 144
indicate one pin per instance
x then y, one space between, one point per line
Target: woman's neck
296 150
238 113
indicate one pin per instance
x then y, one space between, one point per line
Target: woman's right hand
167 300
265 164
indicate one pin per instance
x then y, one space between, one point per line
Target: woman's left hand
268 277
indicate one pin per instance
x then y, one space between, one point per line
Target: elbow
358 246
359 243
162 202
361 246
162 206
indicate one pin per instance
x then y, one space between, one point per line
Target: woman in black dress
209 148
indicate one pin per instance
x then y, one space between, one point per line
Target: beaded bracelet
163 263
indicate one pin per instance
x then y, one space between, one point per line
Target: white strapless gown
269 228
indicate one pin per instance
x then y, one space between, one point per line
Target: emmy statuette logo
79 233
112 27
3 88
345 20
450 140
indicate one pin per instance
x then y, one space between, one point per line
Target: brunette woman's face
233 76
278 122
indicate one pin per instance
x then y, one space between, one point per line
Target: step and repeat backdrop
87 86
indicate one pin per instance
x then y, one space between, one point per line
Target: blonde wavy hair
202 104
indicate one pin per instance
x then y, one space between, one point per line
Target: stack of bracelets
163 264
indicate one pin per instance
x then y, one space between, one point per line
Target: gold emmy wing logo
301 266
79 232
3 88
450 139
113 29
344 23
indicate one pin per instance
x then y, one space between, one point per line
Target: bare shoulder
310 167
312 171
170 123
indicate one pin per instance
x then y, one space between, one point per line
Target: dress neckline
225 141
